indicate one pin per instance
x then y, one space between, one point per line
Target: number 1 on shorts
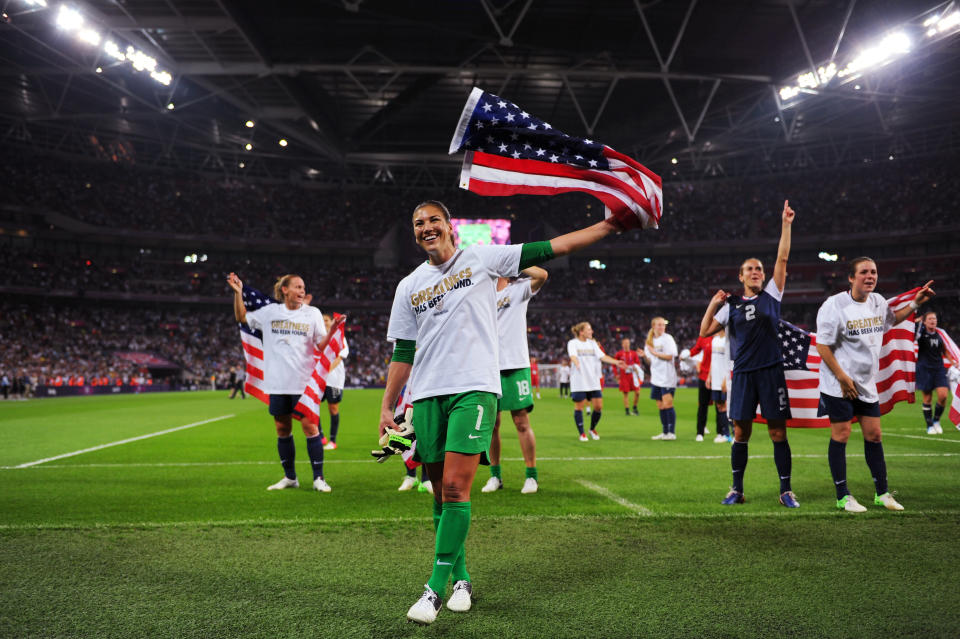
479 415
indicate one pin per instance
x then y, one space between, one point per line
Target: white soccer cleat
461 598
720 439
699 438
284 483
887 501
594 434
425 487
493 484
850 505
931 430
659 436
670 436
583 437
529 486
938 428
706 431
320 485
426 609
408 483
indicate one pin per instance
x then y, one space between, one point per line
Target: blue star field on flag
794 346
499 127
252 301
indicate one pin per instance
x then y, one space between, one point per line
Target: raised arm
783 250
612 360
708 325
924 294
239 311
538 277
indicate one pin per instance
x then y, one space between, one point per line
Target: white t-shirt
719 363
564 374
587 376
451 312
337 377
512 304
289 338
855 331
663 372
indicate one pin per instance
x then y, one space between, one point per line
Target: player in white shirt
333 393
850 328
513 297
291 331
586 355
660 351
563 377
719 382
444 325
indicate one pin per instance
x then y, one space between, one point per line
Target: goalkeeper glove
396 441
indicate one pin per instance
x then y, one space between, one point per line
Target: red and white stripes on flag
309 404
253 354
951 346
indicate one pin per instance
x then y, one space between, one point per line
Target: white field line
637 508
371 461
122 441
361 521
925 437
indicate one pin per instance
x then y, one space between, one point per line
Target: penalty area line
123 441
637 508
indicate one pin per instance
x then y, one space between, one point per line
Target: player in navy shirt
931 374
751 321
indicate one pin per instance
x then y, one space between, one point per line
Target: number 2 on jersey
750 311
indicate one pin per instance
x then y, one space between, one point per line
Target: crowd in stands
871 198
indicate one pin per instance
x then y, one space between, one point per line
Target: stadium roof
369 91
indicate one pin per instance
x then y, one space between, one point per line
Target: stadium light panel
89 36
250 124
248 146
282 142
99 70
171 106
113 50
69 19
37 3
242 165
673 160
828 257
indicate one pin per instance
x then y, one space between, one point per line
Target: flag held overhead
510 152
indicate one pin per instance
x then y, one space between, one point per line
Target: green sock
495 470
532 472
451 533
460 565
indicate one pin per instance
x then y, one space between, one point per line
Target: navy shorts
332 395
657 392
718 397
283 405
839 409
766 387
931 378
579 396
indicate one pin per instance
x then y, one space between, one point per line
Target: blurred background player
703 348
850 328
563 376
628 376
660 350
931 374
333 393
586 375
237 378
291 332
719 383
535 375
513 297
752 321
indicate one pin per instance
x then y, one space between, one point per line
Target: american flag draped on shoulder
955 400
801 366
511 152
252 341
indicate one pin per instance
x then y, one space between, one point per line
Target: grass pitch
172 533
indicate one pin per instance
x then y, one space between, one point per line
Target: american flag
801 366
954 415
309 404
403 405
253 344
510 152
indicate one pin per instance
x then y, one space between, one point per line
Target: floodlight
113 50
248 146
673 160
827 257
242 165
37 3
948 21
140 60
282 142
163 77
898 42
89 36
69 19
99 69
250 124
170 106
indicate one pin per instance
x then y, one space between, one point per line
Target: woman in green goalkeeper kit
443 323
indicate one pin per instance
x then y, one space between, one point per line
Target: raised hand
234 282
788 213
924 294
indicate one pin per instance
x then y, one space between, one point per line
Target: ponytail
576 329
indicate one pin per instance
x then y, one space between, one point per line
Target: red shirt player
704 345
535 375
627 381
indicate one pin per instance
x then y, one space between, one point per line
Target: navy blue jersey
930 348
751 324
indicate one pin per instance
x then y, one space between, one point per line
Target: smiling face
863 279
433 232
293 292
751 274
659 326
586 332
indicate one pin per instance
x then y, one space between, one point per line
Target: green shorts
517 394
461 423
